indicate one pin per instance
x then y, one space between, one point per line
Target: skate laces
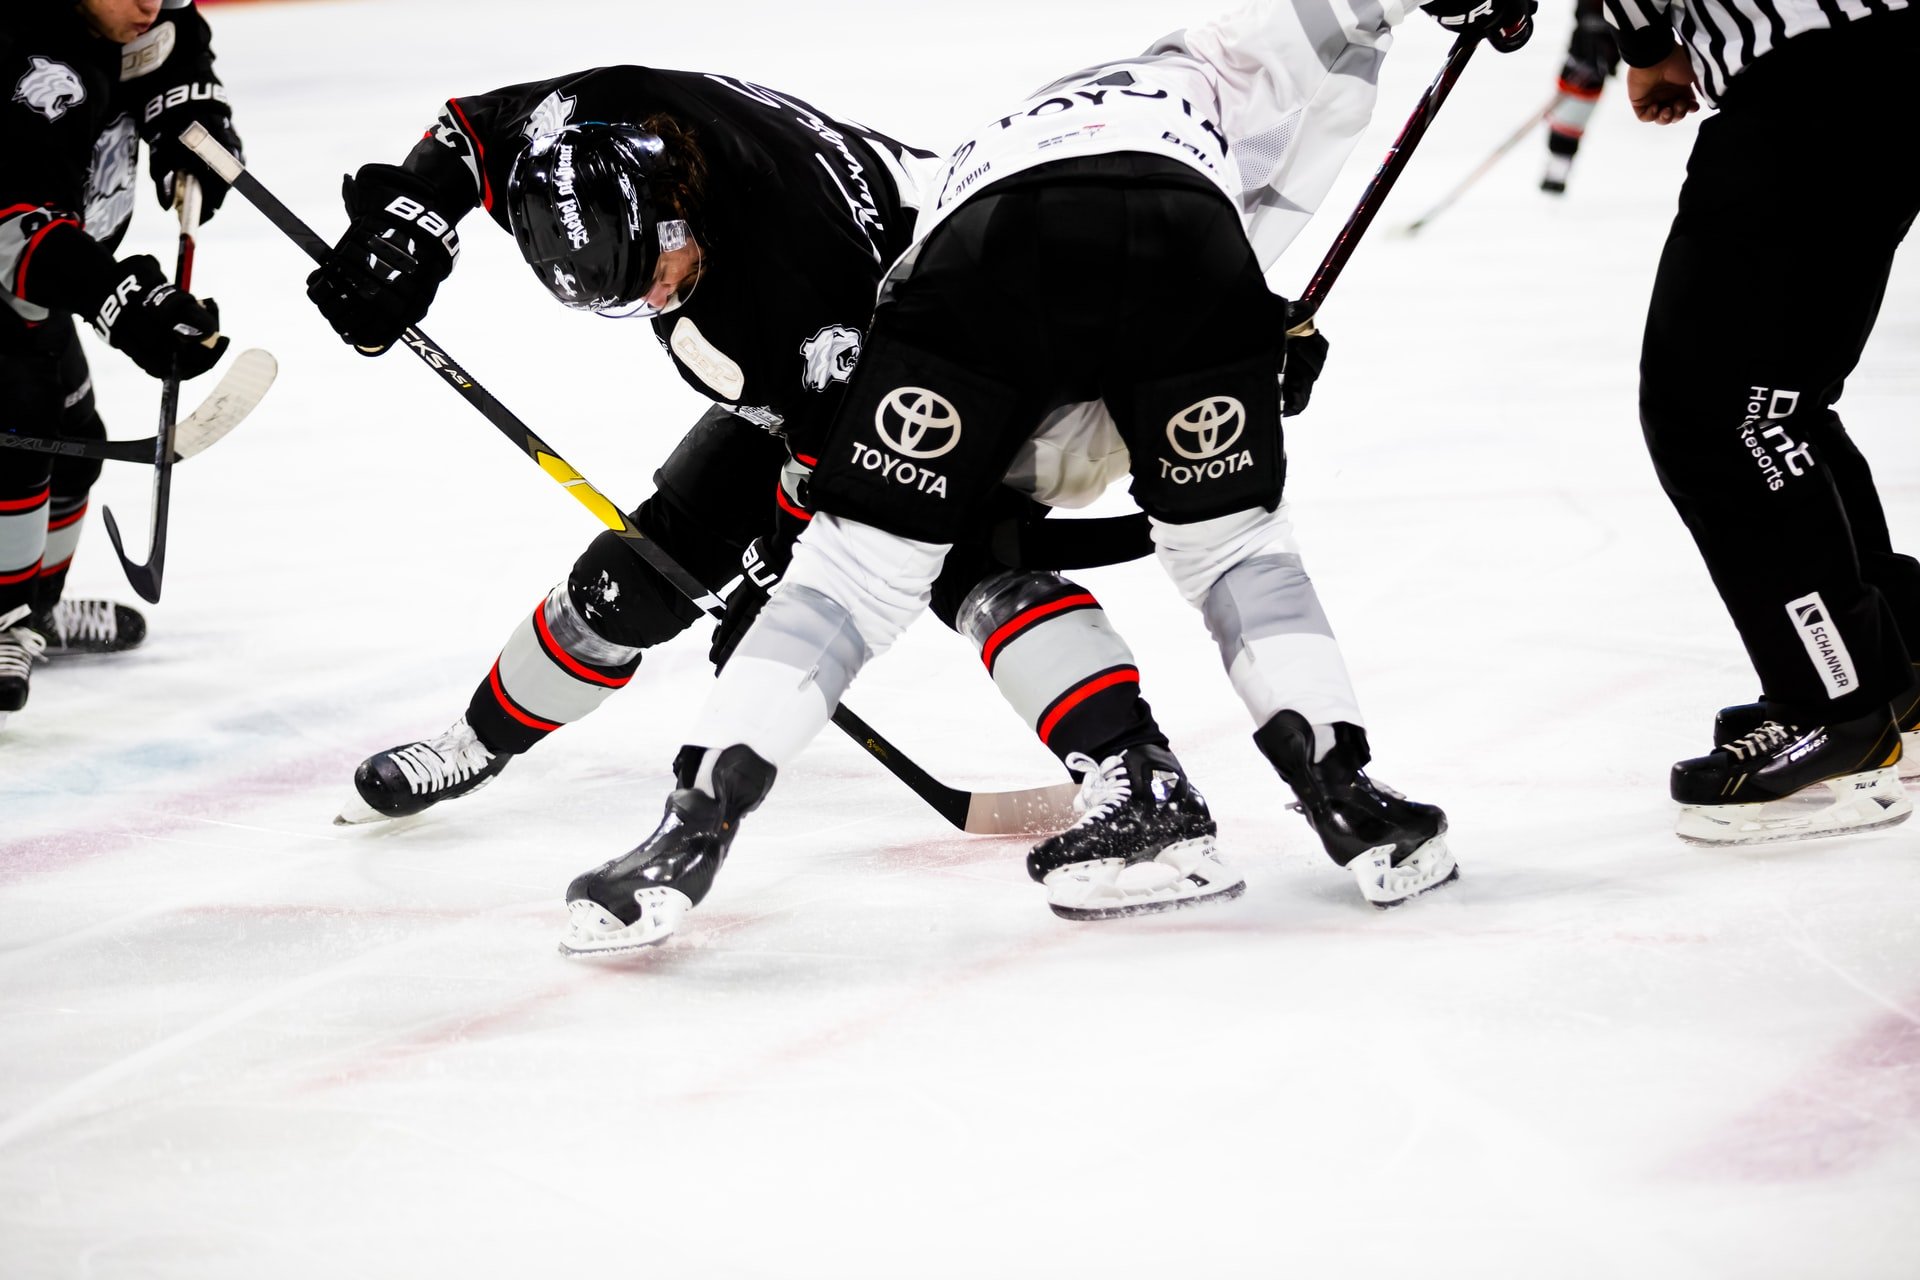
19 644
1103 790
1769 736
84 620
454 756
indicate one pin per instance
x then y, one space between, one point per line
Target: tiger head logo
50 88
830 356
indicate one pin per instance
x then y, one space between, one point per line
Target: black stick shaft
1383 179
950 802
141 451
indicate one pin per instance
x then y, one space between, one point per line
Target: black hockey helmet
587 210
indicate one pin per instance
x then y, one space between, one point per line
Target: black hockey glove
1306 356
167 331
166 116
1506 24
380 279
762 566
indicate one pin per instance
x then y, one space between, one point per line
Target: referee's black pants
1797 195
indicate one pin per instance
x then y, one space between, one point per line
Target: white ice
241 1042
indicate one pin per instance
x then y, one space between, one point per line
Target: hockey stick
1304 307
1513 140
240 391
1035 809
145 578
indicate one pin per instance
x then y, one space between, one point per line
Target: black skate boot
637 899
1395 847
1144 842
412 778
89 626
1786 782
20 644
1741 720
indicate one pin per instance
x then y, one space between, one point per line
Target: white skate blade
1182 875
593 930
356 812
1385 885
1839 806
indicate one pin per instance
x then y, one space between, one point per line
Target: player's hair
688 172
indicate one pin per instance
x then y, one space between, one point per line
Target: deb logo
1207 428
917 423
50 87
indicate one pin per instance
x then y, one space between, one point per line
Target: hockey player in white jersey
1104 241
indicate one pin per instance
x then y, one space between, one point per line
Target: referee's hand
1663 93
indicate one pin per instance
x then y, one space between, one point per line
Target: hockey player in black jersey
85 83
1093 243
1592 57
751 231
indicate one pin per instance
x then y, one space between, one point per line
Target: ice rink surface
241 1042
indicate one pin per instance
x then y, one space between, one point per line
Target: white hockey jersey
1267 101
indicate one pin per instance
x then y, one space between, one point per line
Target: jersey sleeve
1297 81
468 151
1645 28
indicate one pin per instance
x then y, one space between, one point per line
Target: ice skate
20 644
1395 847
637 899
89 626
1738 721
412 778
1144 842
1783 782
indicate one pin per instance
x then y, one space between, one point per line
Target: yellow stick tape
589 497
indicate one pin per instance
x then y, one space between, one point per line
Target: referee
1798 192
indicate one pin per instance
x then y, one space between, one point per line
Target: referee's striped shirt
1722 36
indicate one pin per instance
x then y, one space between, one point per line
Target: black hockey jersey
69 146
803 215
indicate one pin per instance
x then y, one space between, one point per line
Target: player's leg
1735 405
1592 56
1895 576
1201 411
920 442
77 625
583 641
30 398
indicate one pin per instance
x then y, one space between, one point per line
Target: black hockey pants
1797 195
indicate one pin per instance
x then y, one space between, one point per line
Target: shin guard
554 670
1059 663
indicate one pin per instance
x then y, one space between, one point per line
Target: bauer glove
164 329
380 279
165 117
762 566
1506 24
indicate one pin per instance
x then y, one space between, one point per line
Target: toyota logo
1212 424
910 417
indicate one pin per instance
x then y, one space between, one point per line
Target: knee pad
622 600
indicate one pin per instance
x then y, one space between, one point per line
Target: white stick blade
1035 811
245 383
